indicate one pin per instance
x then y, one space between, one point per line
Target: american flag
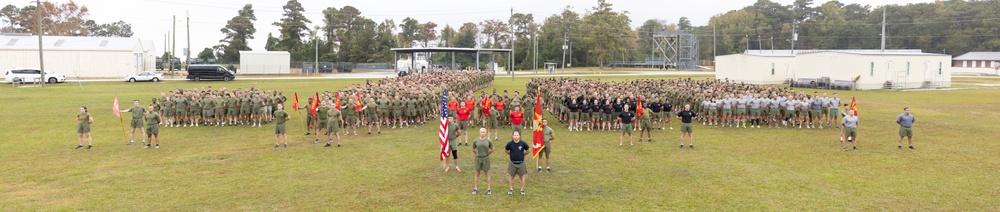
443 133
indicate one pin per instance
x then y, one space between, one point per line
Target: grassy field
954 167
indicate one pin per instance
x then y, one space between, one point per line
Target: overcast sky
151 19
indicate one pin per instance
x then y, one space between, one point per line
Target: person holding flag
136 123
83 120
645 122
542 136
447 133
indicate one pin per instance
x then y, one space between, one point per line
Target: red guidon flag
537 139
314 104
357 102
295 104
638 107
443 132
118 112
854 105
337 102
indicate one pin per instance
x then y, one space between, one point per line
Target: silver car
144 76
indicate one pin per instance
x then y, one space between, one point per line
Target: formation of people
401 102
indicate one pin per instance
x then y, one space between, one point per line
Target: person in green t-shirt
453 133
232 111
136 123
279 126
482 147
83 120
334 121
383 111
371 111
152 129
256 103
547 136
322 112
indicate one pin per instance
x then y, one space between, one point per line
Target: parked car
32 74
209 72
144 76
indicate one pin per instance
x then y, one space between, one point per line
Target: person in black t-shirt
517 149
595 115
626 119
606 116
618 112
686 128
656 107
667 110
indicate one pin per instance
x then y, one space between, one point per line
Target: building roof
979 56
790 53
447 49
16 42
147 45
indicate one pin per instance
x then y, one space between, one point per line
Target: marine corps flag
337 102
314 105
357 102
854 105
638 107
538 139
295 103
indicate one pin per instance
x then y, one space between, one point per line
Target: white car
144 76
28 75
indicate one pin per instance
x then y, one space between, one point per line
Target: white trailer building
270 62
866 69
86 57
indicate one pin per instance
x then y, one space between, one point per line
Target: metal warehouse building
86 57
862 69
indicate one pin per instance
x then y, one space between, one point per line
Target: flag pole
120 122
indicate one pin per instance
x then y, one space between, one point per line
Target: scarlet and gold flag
638 107
314 104
538 140
295 103
854 105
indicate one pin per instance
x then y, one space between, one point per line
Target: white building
270 62
86 57
868 69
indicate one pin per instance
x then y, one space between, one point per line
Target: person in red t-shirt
516 119
463 122
452 106
470 103
500 105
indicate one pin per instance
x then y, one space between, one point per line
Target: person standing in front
152 128
83 120
482 147
905 122
850 123
686 128
517 149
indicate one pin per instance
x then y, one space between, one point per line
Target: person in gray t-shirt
850 123
905 122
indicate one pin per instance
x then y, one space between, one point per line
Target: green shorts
397 113
627 128
220 112
647 125
585 116
516 169
321 124
372 118
152 129
168 113
755 112
517 128
332 128
463 125
350 120
136 123
244 111
279 129
382 112
195 112
180 111
657 116
712 112
834 112
491 124
411 112
824 110
687 128
741 111
773 111
905 131
727 112
482 163
208 112
83 128
816 113
851 132
547 149
789 113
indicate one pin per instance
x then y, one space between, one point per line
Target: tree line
66 19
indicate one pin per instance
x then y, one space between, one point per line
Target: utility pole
714 49
772 45
316 66
759 46
173 48
794 37
564 47
38 29
748 44
884 8
512 38
187 59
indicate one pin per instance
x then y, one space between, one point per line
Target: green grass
954 168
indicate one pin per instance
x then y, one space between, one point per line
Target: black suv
209 72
